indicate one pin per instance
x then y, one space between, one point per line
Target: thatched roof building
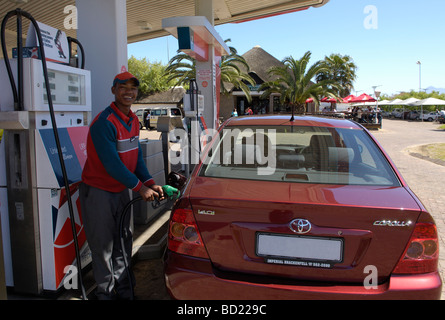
171 96
260 62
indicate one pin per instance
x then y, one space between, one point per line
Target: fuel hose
170 192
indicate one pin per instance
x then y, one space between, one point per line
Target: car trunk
245 226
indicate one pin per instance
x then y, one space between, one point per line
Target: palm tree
342 69
231 73
182 69
294 83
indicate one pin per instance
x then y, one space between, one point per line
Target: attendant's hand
148 194
158 189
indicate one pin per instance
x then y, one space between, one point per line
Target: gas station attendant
114 164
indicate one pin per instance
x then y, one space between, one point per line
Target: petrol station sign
54 40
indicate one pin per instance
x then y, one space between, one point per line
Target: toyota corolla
305 209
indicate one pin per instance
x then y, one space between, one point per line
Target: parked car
431 116
308 209
414 115
397 113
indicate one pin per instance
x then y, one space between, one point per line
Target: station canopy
144 18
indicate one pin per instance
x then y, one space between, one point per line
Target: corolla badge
207 212
300 226
389 223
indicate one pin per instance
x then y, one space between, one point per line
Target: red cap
124 77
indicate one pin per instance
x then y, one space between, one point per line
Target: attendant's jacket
114 156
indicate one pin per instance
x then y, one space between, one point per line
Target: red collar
124 117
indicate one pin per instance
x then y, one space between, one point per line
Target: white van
157 112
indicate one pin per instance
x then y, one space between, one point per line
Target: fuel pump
194 124
44 107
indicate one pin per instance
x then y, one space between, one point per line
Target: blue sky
385 43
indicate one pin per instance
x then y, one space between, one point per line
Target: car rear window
298 154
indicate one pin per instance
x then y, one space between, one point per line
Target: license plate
302 248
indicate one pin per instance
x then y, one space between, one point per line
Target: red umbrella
349 98
326 99
363 98
309 100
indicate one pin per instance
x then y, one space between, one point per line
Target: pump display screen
66 88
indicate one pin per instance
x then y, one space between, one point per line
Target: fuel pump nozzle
170 191
169 194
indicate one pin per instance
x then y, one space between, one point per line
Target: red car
305 209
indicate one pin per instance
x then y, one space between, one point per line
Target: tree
182 68
150 75
294 83
231 73
342 70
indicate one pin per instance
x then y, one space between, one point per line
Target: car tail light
422 253
184 236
